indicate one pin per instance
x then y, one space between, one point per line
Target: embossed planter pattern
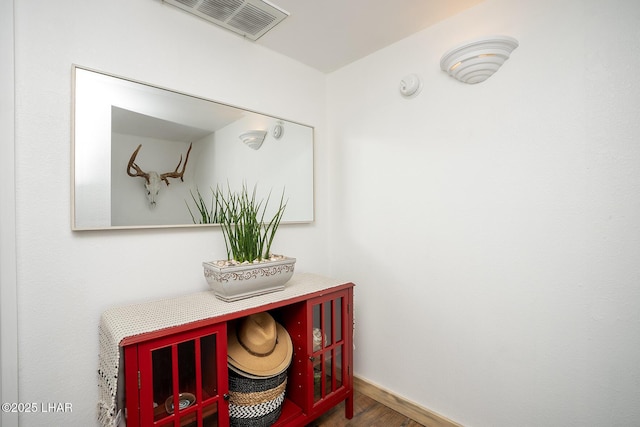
231 283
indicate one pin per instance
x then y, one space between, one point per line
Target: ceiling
323 34
329 34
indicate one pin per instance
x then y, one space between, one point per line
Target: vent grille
190 3
250 18
220 10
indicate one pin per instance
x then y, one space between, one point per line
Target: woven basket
255 402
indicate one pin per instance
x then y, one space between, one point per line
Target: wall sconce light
253 138
477 60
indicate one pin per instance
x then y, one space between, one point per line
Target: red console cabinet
177 375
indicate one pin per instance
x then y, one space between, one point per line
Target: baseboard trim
410 409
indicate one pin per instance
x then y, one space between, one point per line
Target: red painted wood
296 314
290 414
144 351
223 377
348 353
131 394
330 398
198 366
175 382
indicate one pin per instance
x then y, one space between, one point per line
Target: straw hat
259 346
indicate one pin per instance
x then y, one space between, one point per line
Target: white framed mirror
113 116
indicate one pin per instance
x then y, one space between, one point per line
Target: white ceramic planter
231 283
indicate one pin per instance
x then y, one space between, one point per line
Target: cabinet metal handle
226 396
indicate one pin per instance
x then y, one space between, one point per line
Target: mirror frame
75 160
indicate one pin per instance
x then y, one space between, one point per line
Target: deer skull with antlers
154 179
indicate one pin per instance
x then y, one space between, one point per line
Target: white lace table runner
127 321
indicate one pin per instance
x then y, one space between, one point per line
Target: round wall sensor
278 130
410 85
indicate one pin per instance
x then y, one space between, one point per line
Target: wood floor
366 412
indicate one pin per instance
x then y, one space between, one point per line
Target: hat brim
261 366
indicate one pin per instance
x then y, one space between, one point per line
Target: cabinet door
330 347
181 382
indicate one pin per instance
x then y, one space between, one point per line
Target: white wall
492 230
8 289
516 200
66 279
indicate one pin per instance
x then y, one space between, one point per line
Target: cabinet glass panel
162 380
317 378
186 368
328 347
208 366
328 374
210 416
317 330
328 323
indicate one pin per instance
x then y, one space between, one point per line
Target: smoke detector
249 18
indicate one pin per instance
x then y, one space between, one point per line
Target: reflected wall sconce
254 138
477 60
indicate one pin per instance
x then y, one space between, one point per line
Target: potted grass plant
250 268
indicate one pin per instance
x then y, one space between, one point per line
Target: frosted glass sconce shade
254 138
477 60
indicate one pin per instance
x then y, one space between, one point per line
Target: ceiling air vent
250 18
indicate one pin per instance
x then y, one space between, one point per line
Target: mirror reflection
141 152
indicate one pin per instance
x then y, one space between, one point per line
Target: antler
139 172
175 173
